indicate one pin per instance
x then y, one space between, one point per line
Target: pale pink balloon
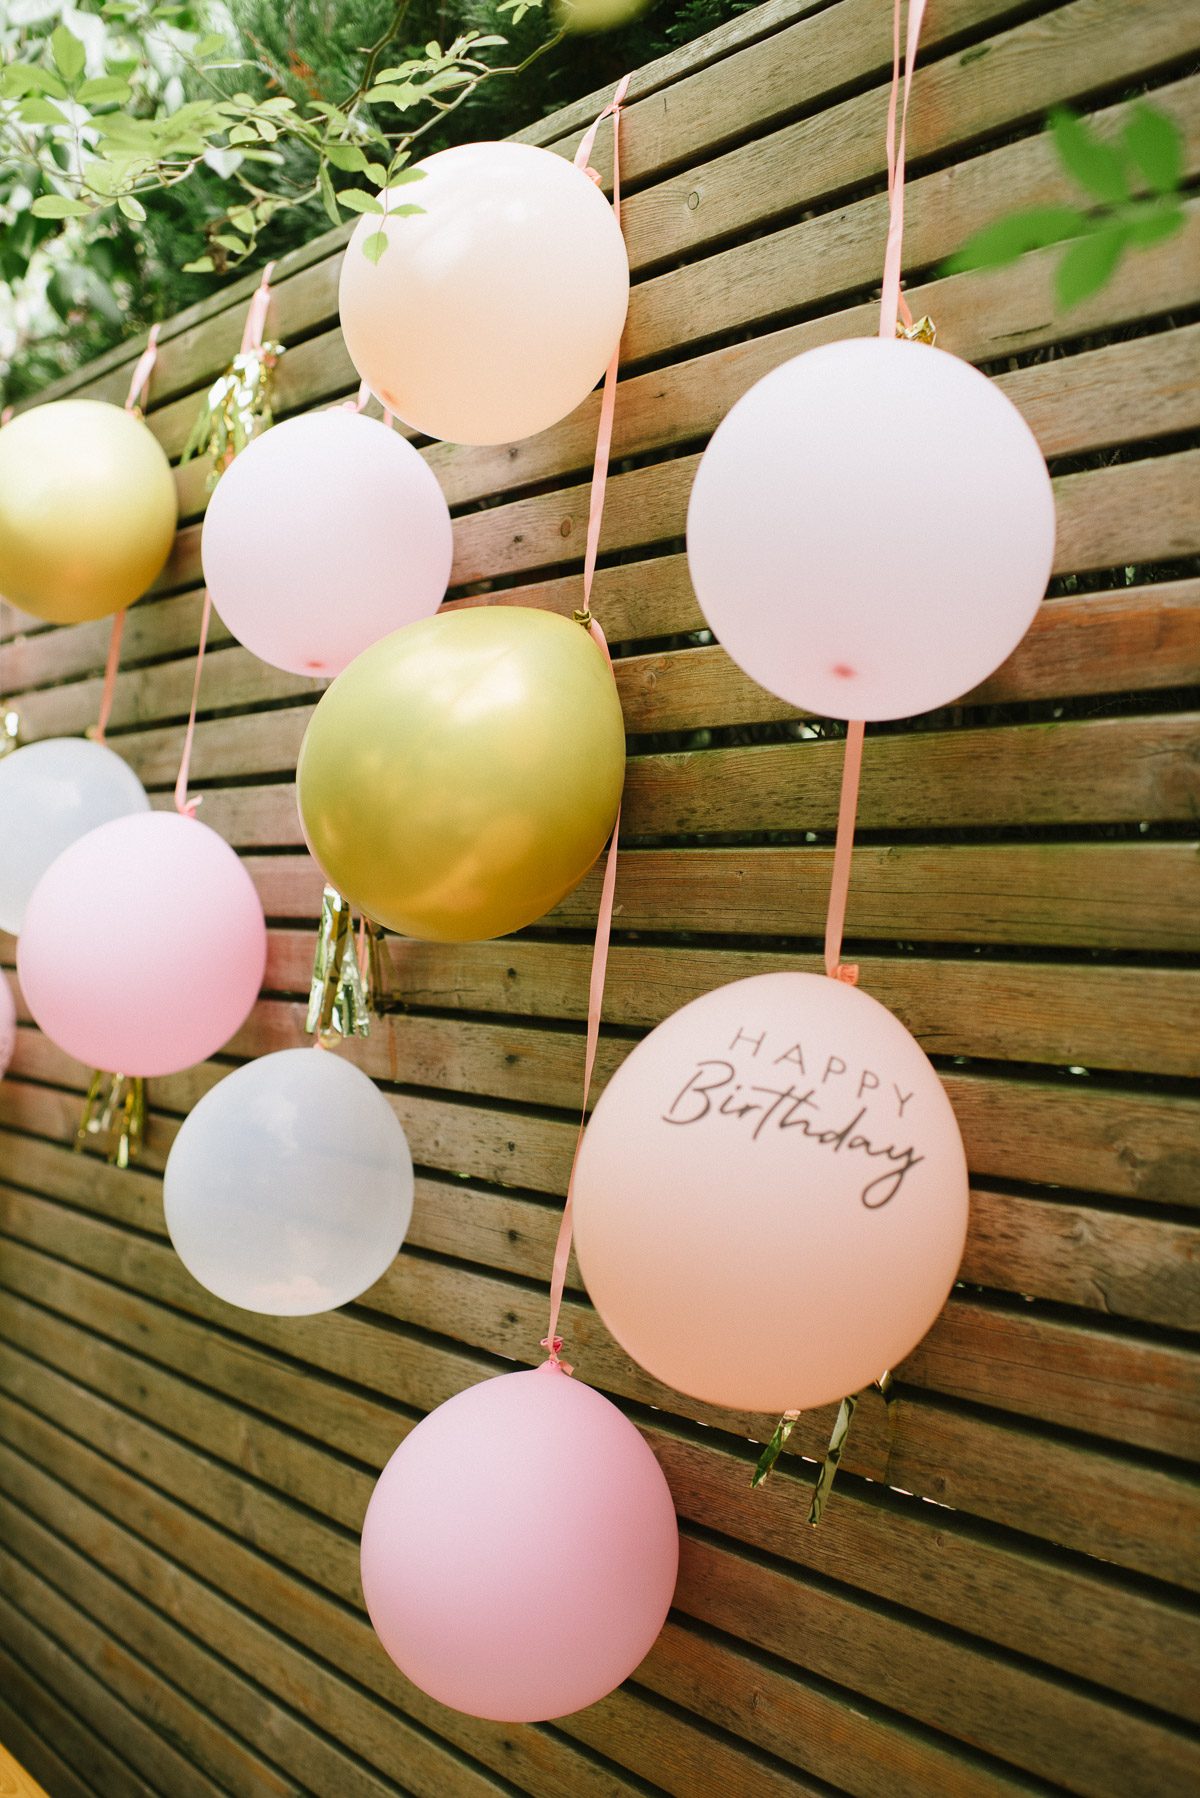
871 529
8 1025
771 1198
496 309
143 946
520 1549
326 533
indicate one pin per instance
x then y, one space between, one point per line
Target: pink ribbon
893 305
359 403
143 368
552 1341
256 315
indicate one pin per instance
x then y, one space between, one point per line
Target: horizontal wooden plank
872 1751
1064 1013
40 1765
1065 1491
42 1713
932 1644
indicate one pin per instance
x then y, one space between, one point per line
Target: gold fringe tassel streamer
10 731
338 1003
236 409
833 1454
114 1116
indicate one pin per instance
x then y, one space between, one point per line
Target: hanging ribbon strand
552 1341
895 319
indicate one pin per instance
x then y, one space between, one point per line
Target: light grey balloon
51 794
289 1188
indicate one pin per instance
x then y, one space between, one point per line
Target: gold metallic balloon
461 776
87 510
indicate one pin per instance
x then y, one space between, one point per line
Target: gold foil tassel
833 1456
236 408
373 968
114 1116
774 1448
922 330
337 1001
10 731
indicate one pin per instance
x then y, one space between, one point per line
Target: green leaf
243 134
1154 144
266 130
1098 167
203 265
58 206
355 200
1089 264
40 112
1152 227
347 157
375 171
133 209
399 97
242 219
1005 239
104 90
227 241
30 78
403 212
69 54
402 177
209 45
375 245
328 198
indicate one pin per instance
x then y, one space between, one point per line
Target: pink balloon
8 1026
871 529
771 1198
143 946
325 534
496 309
520 1549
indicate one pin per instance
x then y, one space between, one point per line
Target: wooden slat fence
1001 1596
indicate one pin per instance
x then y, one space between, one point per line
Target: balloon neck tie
552 1341
587 143
892 304
553 1346
143 368
113 1117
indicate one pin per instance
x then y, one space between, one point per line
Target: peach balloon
771 1198
496 309
324 535
87 510
519 1552
143 946
871 529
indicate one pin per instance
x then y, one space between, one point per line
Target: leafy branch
87 143
1133 187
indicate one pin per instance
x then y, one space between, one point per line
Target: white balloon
51 794
871 529
8 1025
289 1188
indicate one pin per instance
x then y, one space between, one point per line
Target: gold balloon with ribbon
462 775
87 510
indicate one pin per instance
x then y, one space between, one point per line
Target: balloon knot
553 1346
847 971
